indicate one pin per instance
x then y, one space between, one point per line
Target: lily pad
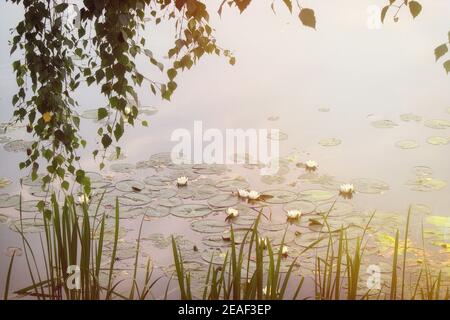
370 186
28 225
130 186
4 182
215 256
437 123
384 124
170 202
410 117
156 211
438 140
335 209
330 142
28 206
427 184
277 135
407 144
279 196
190 210
122 167
232 185
209 226
215 240
304 206
276 237
135 199
422 171
316 195
223 200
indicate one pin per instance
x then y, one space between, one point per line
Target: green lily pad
190 210
169 202
279 196
214 240
316 195
371 186
276 237
223 200
209 226
335 209
130 186
232 185
135 199
28 206
28 225
215 256
122 167
304 206
155 211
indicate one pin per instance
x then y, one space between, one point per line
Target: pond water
370 106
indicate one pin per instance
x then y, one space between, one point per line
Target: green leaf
440 51
415 8
172 73
61 7
102 113
308 18
118 131
384 12
288 4
447 66
106 141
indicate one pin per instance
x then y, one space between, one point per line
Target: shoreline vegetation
251 269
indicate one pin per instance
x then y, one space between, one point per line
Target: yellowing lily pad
407 144
437 123
409 117
330 142
436 140
427 184
384 124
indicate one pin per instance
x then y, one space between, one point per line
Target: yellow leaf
47 116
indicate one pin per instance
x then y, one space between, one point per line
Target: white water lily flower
294 214
182 181
311 165
232 213
243 193
347 188
284 250
253 195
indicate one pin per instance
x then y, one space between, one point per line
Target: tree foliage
56 59
101 51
